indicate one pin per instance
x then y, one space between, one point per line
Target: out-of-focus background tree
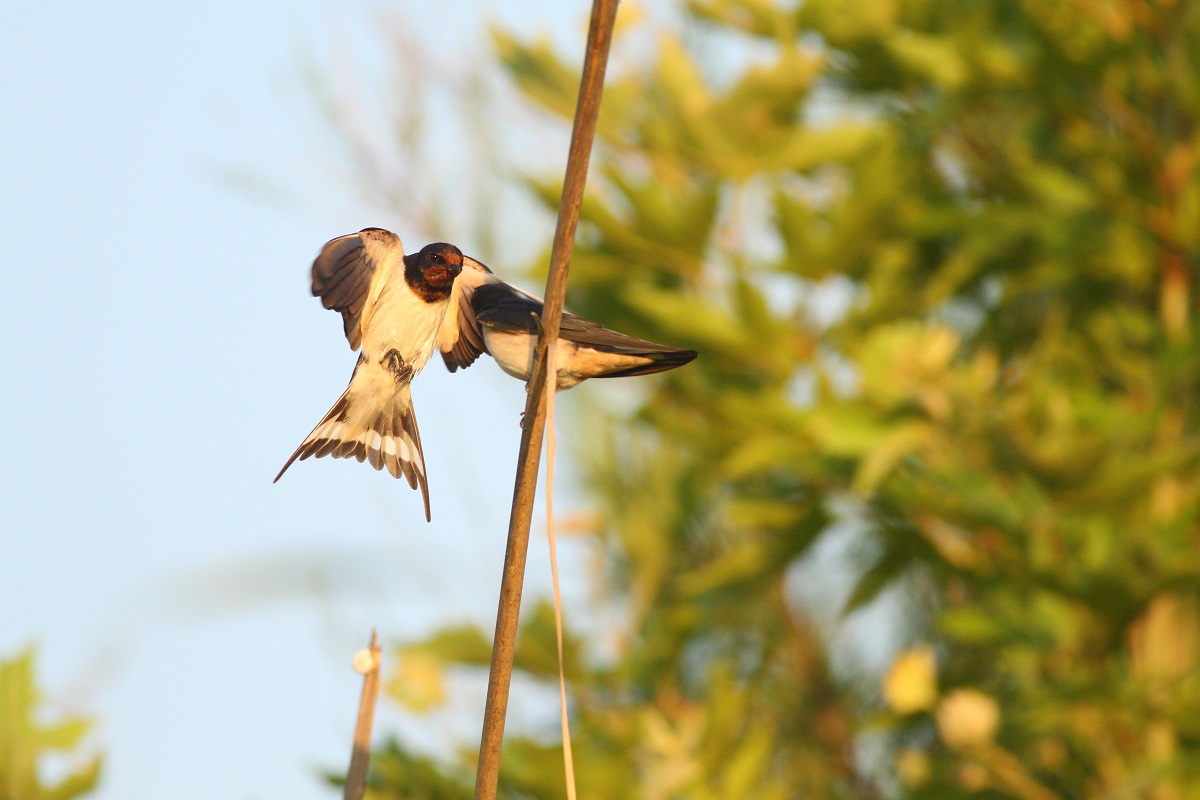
939 257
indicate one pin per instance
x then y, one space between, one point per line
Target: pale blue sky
163 358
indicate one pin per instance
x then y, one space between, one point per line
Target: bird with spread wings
397 309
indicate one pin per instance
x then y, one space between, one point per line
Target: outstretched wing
349 272
459 339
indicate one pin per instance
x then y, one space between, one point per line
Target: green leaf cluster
26 741
940 258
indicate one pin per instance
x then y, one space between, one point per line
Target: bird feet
394 363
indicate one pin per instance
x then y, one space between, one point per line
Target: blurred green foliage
940 258
27 742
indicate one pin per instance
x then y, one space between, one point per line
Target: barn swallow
392 307
490 316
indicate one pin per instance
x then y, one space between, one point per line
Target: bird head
439 264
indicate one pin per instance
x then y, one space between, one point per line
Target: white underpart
394 319
400 320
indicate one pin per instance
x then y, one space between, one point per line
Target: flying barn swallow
487 315
392 306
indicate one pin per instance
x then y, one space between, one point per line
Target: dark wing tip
461 356
674 358
660 361
685 357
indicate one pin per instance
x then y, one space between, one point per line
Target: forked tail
372 421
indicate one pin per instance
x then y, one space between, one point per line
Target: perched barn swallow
393 306
490 316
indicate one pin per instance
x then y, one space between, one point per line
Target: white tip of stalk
364 662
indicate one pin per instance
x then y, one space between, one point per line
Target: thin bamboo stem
356 775
587 110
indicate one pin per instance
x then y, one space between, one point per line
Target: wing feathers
345 269
511 312
659 362
482 301
459 339
346 291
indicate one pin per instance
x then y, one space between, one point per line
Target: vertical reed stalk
587 110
